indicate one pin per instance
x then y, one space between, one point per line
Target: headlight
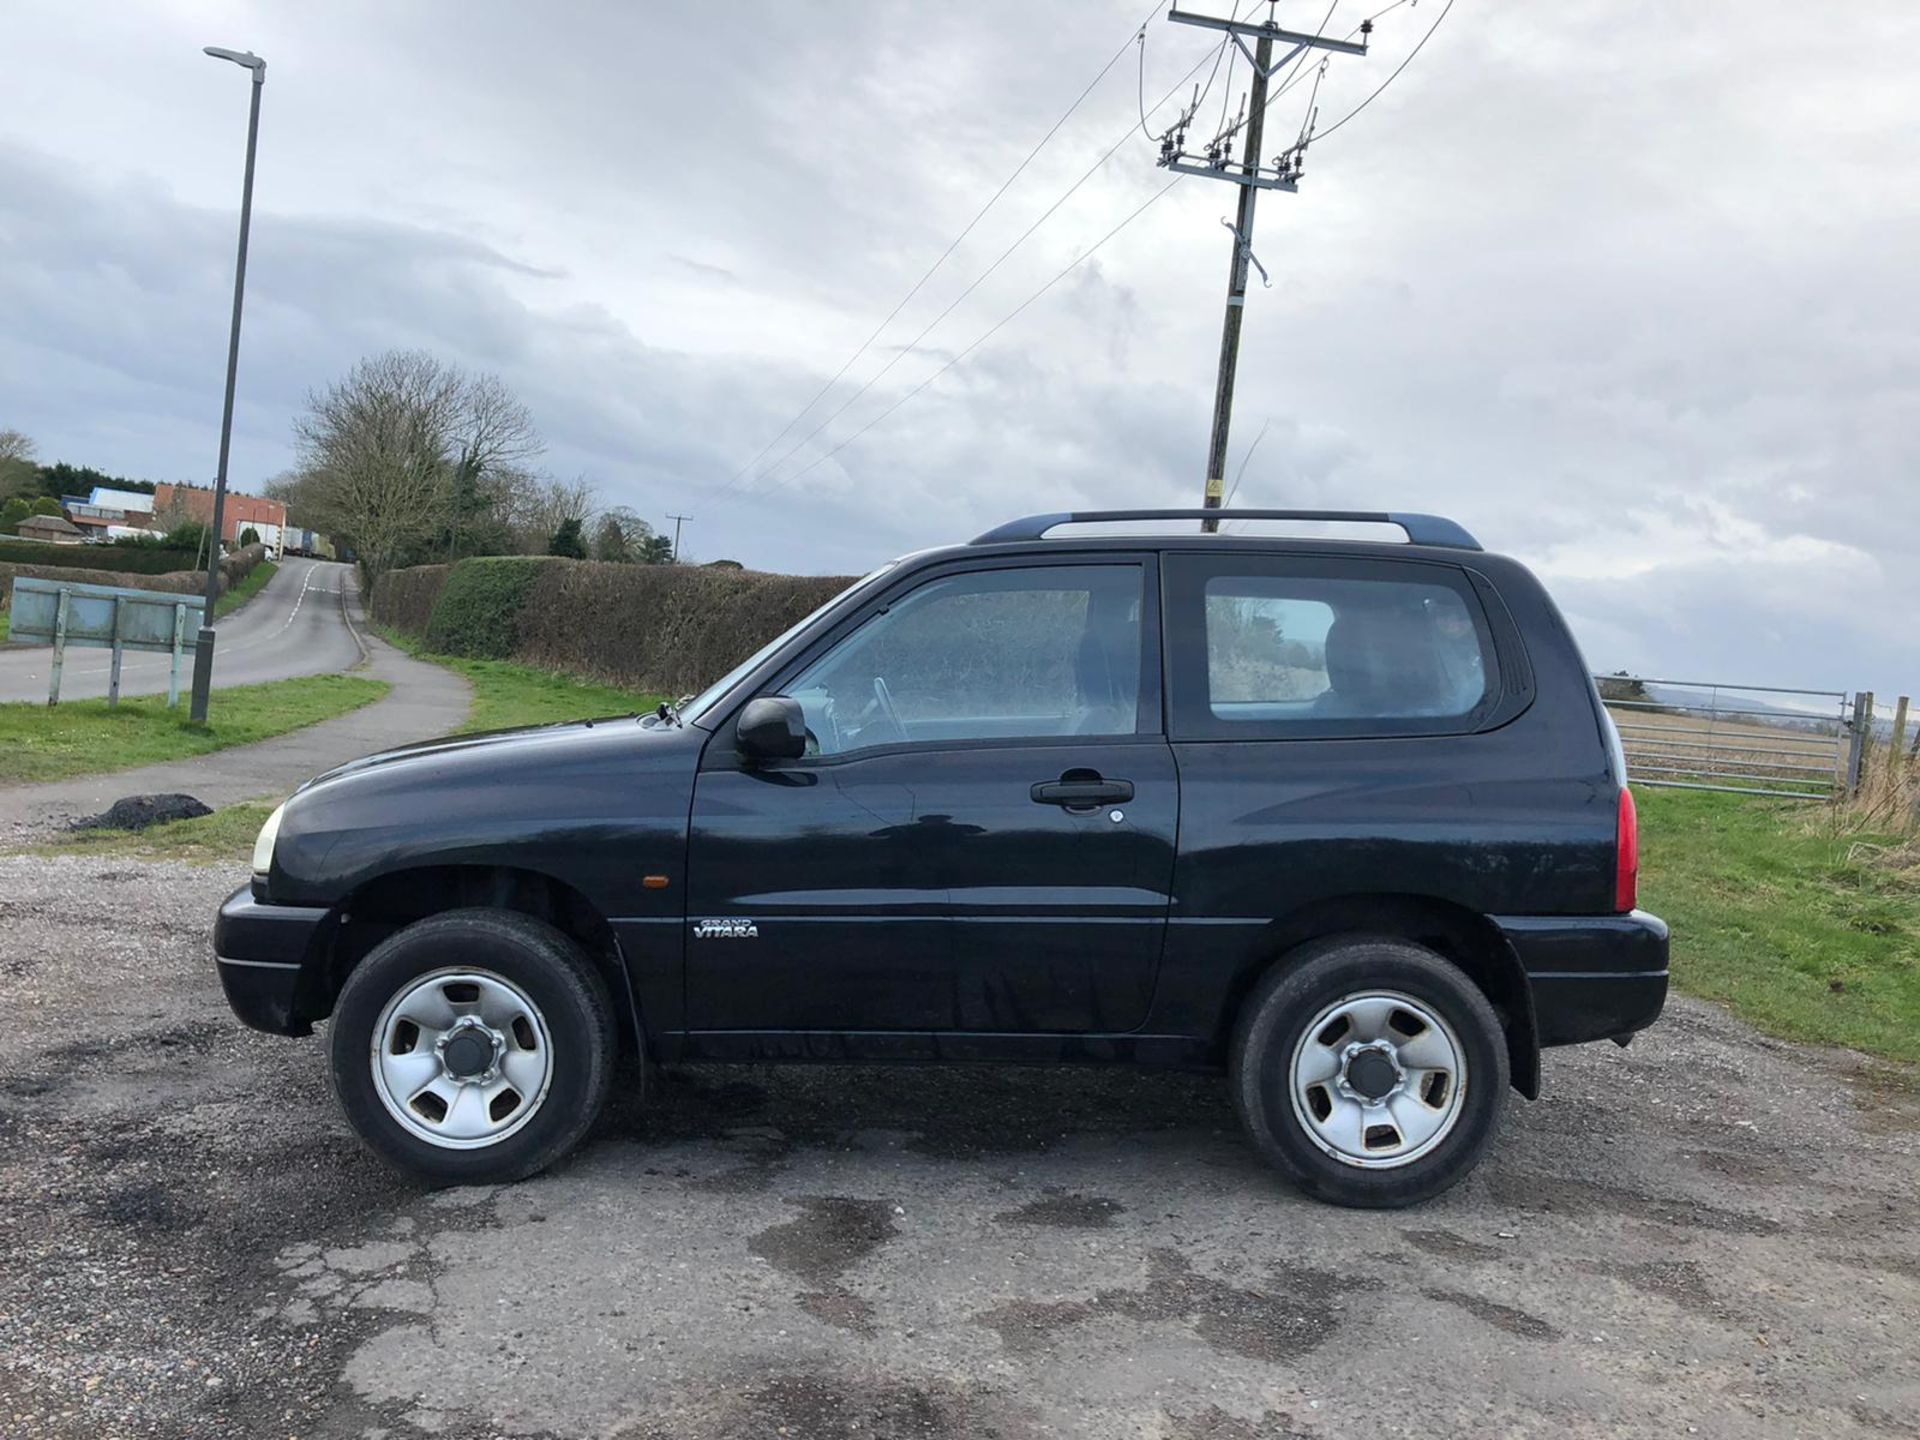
263 847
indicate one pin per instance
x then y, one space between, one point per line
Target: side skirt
911 1047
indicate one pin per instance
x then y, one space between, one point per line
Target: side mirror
772 727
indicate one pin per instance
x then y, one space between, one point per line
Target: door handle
1082 794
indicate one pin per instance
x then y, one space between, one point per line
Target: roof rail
1420 529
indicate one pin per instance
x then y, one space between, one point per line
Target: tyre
474 1047
1370 1071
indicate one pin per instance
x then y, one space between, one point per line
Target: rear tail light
1626 864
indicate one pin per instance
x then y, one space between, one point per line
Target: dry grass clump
1888 802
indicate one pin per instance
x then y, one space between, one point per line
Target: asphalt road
296 625
1708 1234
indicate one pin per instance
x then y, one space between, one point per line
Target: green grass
506 695
220 838
1807 934
84 737
249 586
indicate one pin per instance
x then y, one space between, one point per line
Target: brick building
242 512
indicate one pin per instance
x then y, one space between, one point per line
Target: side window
1270 646
995 654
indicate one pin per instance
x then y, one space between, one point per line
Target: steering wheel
883 697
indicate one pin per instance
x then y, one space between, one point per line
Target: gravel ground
1707 1234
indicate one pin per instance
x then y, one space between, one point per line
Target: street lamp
203 647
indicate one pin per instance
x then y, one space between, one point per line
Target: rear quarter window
1280 647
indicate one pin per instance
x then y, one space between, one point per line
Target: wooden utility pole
1252 177
1237 269
678 521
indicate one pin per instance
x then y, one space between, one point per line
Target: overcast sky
1629 289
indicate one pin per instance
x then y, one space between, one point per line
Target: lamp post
203 646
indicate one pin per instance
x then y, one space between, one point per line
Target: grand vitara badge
725 930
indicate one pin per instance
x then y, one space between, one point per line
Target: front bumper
1594 977
261 952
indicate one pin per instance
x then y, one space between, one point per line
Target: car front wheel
1370 1070
474 1047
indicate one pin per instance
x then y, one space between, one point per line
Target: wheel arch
1462 936
394 899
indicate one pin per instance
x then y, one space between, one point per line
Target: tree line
409 460
405 460
29 488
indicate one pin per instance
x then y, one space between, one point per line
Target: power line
975 284
953 304
1287 84
986 335
1394 76
1294 79
1200 95
1239 474
992 200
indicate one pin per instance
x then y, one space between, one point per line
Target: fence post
113 674
1899 733
173 675
59 646
1857 730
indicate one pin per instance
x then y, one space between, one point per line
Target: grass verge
1805 933
250 585
221 838
506 695
85 737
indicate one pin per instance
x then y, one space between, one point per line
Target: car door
981 836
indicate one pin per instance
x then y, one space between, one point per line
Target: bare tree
403 450
621 535
494 443
544 506
18 473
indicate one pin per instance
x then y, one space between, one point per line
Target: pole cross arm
1239 28
1236 174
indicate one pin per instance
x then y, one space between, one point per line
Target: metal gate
1745 739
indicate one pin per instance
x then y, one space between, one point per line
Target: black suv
1344 819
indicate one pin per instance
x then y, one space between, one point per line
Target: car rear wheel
1370 1070
474 1047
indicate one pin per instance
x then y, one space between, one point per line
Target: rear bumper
1593 977
261 952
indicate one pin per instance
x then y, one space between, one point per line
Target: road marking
137 664
298 601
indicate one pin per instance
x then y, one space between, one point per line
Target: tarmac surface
424 701
296 625
1708 1234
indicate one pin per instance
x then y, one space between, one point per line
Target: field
1807 932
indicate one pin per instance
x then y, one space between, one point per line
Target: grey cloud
1642 315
